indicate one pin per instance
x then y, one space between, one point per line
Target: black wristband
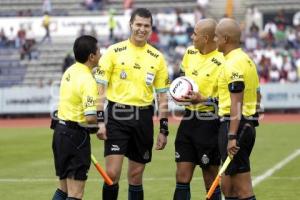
232 136
164 129
100 116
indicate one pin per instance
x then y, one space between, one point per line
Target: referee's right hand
101 134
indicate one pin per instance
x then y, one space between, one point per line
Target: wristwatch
232 136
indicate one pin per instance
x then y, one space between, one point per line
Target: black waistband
123 106
226 118
75 125
202 114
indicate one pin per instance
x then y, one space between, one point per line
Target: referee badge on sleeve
149 78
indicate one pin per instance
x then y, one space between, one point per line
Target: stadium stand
43 65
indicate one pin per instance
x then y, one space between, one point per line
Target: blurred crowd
273 45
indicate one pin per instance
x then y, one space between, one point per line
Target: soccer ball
181 87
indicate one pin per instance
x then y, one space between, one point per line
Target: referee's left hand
161 141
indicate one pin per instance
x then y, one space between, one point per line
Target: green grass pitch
27 170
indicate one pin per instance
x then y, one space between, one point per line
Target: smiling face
140 30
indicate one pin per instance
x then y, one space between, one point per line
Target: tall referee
77 108
131 70
239 95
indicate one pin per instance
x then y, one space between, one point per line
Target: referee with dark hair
76 111
239 96
129 72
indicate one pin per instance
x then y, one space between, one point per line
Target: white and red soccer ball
180 87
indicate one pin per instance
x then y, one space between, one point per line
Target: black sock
249 198
135 192
217 194
110 192
182 191
231 198
59 195
72 198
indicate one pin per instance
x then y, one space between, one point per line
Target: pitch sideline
275 168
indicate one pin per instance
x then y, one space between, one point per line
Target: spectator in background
46 24
296 19
11 38
82 30
292 75
281 20
47 7
112 23
93 31
128 5
21 36
270 26
3 38
274 74
68 61
154 37
253 17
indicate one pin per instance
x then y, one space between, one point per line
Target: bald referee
197 137
238 96
129 72
76 110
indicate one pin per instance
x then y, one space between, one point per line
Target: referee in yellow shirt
77 108
197 137
129 72
239 95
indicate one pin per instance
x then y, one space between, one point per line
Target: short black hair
142 12
83 47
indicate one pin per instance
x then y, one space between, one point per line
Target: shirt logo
136 66
146 155
235 76
214 60
100 72
90 102
192 52
115 147
152 54
195 72
120 49
68 77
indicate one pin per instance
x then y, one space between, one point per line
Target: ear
226 39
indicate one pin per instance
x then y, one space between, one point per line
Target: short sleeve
105 67
161 81
89 96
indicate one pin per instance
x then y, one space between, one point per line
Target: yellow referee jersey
238 67
78 94
204 70
132 73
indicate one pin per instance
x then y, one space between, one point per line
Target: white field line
278 166
39 180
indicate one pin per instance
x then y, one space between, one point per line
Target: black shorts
72 152
197 139
129 132
246 139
